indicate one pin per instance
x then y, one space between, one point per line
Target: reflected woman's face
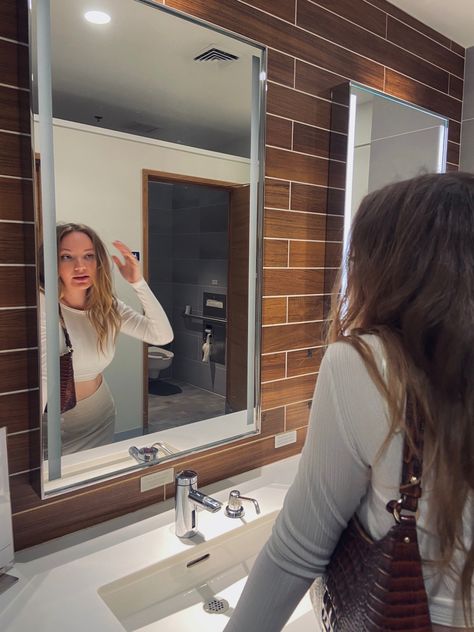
77 261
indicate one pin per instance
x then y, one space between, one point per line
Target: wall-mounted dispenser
215 323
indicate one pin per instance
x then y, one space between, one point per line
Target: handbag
66 372
377 585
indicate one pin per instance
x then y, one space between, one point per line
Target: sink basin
199 587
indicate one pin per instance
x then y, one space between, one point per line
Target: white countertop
58 580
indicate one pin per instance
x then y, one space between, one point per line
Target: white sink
172 595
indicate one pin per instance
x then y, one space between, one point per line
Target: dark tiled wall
313 45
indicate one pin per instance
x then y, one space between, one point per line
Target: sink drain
216 605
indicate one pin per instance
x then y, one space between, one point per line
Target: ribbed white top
339 475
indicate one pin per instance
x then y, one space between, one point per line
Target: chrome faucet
188 499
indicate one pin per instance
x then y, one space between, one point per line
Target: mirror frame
45 200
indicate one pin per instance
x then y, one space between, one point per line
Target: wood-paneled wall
313 46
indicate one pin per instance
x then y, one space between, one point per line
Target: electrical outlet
156 480
284 438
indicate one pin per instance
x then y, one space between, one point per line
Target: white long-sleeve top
152 327
339 475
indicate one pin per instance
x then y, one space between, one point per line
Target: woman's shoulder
346 353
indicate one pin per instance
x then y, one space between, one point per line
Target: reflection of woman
93 317
404 322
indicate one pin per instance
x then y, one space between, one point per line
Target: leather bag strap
412 465
65 331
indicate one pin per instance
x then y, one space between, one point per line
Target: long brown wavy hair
410 280
101 304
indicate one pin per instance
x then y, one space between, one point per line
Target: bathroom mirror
148 128
388 140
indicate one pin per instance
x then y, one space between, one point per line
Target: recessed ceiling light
97 17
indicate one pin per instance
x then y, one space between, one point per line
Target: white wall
98 179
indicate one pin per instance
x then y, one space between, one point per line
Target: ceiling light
97 17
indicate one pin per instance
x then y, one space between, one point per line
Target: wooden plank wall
313 45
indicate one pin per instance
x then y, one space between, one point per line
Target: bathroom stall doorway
195 259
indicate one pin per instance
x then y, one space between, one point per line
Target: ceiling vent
214 54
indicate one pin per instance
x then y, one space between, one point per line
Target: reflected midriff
88 387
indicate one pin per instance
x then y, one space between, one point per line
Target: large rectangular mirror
147 129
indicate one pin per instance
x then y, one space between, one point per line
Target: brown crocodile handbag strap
65 331
412 465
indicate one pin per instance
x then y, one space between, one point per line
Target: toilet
158 360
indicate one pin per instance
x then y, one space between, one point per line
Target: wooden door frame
151 175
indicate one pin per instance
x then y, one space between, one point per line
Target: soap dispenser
6 531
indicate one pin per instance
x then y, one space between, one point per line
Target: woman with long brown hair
93 317
402 322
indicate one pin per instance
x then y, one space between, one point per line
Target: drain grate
216 605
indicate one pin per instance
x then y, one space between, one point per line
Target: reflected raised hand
129 268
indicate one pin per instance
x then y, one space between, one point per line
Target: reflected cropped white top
339 474
152 327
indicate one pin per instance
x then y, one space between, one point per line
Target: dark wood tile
453 153
454 131
18 329
280 68
288 391
359 12
298 106
16 199
273 367
313 199
405 88
25 490
319 142
457 48
14 20
14 110
411 21
317 81
23 451
425 47
333 255
278 132
20 411
303 361
18 370
284 9
456 87
275 253
297 415
17 286
286 224
287 337
17 243
327 25
14 64
286 282
15 155
273 422
277 193
273 311
307 254
304 308
303 168
305 108
312 254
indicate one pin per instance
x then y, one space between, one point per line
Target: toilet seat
158 352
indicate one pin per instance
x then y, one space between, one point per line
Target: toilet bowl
158 360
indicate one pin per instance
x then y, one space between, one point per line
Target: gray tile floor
190 405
